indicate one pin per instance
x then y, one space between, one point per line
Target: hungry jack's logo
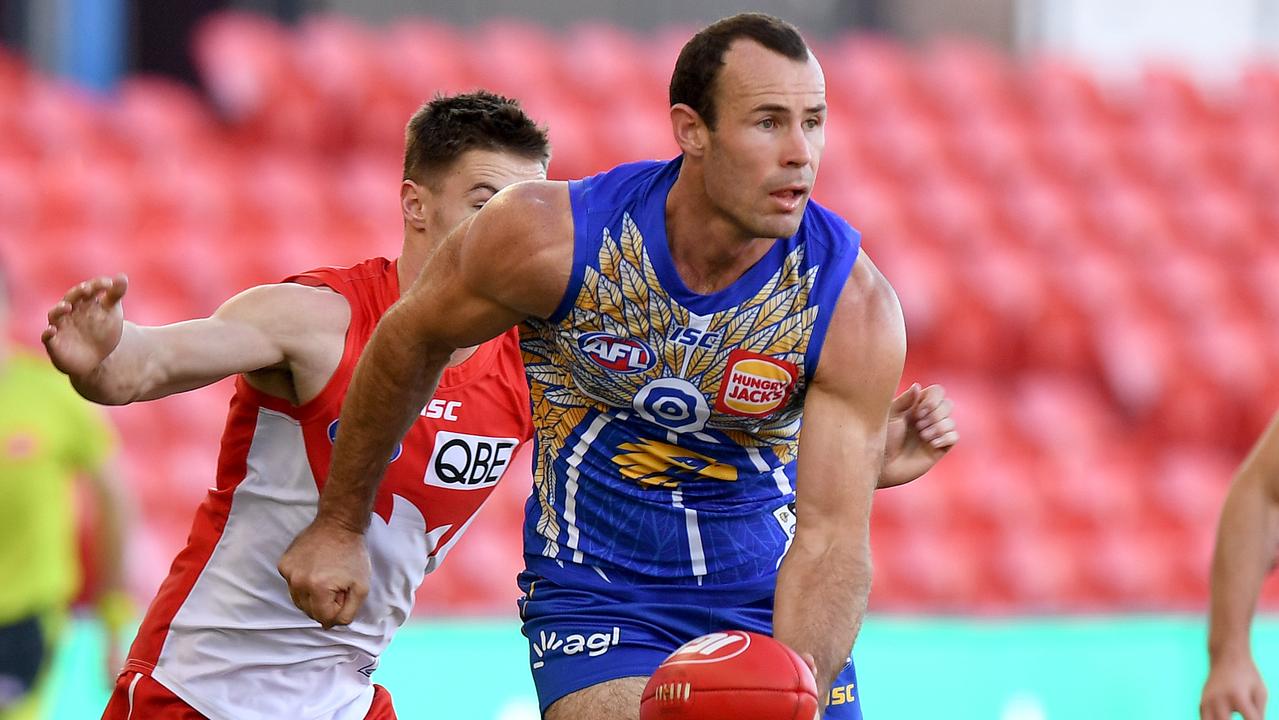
755 385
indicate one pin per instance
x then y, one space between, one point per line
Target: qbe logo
621 355
468 462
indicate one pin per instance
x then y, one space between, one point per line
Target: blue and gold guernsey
667 422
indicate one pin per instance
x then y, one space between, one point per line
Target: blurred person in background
1247 540
674 315
223 639
50 440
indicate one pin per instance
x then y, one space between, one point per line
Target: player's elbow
520 223
861 570
105 390
406 326
1252 488
842 553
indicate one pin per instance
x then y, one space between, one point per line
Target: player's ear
413 204
690 132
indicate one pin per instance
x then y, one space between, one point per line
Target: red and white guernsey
222 632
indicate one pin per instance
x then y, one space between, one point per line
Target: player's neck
709 250
412 258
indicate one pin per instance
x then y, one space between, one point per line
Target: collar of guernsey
667 421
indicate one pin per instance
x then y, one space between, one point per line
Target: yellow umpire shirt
48 434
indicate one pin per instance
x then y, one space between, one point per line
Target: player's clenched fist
1233 686
85 326
327 569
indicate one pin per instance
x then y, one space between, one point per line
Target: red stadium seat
1219 219
1189 485
605 64
514 58
1058 89
160 119
1038 569
1131 216
1091 490
58 120
661 50
436 54
1130 567
1167 91
1190 284
874 72
250 70
993 493
14 73
1168 153
940 568
244 62
968 78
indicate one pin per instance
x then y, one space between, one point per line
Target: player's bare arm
286 338
1247 541
508 262
824 582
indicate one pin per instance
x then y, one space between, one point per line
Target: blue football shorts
583 636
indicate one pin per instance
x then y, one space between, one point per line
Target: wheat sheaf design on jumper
624 298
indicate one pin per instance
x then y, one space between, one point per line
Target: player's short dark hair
693 81
450 125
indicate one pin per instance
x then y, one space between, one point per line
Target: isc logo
692 337
621 355
468 462
841 695
437 409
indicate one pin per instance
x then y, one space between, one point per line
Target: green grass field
1120 668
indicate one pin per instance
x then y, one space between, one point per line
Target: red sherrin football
732 675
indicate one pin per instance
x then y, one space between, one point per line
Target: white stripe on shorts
132 685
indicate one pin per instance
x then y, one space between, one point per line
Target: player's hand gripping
1234 685
85 326
327 569
920 432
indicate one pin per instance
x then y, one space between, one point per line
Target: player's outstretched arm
824 581
1247 540
115 362
508 262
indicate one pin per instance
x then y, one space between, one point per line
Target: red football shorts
139 697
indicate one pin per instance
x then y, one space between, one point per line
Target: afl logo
333 437
712 648
621 355
755 385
